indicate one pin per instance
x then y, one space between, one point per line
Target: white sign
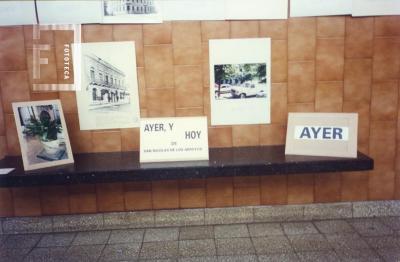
376 7
17 13
69 12
194 10
240 81
299 8
256 9
322 134
173 139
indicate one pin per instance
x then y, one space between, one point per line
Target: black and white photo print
108 95
131 11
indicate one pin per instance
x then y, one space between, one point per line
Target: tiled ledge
207 216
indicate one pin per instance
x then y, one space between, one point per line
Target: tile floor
367 239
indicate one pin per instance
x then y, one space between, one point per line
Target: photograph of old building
108 97
125 7
106 85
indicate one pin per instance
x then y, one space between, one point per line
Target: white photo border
27 165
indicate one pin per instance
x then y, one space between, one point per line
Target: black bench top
125 166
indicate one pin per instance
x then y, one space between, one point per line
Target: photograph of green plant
42 133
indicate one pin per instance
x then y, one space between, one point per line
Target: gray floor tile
346 241
234 246
284 257
182 217
198 259
161 249
91 238
121 252
22 241
161 234
122 220
2 239
371 227
392 222
278 213
77 222
246 258
197 248
196 232
126 236
46 254
383 242
295 228
265 229
231 215
331 211
27 225
276 244
309 242
13 255
229 231
334 226
84 253
325 256
159 260
56 240
361 255
390 255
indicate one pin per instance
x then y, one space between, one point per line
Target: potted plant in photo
46 130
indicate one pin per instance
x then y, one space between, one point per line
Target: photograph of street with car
240 81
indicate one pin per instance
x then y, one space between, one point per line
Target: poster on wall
375 7
300 8
17 13
108 95
193 10
256 9
143 11
69 12
42 134
240 81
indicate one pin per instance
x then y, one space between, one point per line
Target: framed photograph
108 95
132 11
240 79
42 134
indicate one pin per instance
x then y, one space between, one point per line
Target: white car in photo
248 90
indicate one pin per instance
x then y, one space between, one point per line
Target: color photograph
42 134
240 81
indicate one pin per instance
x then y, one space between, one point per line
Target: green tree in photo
222 73
262 73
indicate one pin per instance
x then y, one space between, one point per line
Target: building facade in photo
125 7
106 83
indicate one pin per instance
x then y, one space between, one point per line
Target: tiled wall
324 64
